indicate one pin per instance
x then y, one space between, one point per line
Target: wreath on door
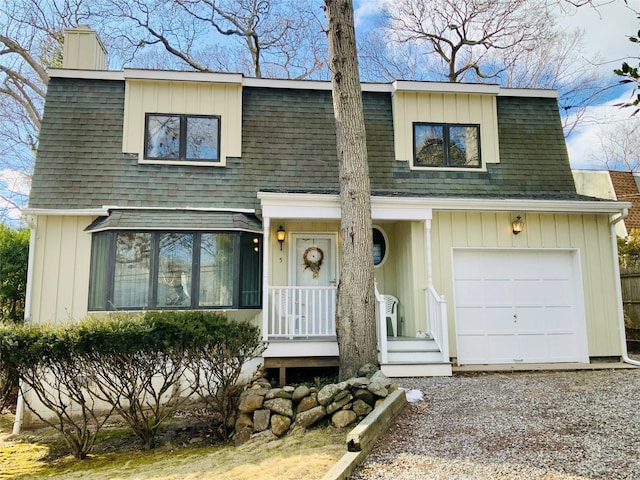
312 258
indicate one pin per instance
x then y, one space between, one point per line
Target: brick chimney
83 50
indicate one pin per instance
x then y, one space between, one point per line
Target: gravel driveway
539 425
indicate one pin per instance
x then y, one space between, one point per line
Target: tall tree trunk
355 317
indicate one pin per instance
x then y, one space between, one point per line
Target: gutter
31 221
614 247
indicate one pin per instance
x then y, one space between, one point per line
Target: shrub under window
182 270
446 145
182 137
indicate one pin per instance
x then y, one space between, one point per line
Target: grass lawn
183 453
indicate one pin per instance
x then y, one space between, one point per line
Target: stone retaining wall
280 410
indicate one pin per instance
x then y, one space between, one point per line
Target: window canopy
185 220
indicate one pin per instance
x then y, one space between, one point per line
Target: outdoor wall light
517 225
280 234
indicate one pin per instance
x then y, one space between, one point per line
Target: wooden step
417 370
412 345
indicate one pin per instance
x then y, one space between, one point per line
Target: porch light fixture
280 234
517 225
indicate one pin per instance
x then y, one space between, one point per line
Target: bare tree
618 146
260 38
355 316
462 34
31 34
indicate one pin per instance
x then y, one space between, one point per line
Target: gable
144 96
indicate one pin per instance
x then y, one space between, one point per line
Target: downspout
614 246
31 221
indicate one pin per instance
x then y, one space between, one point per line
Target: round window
379 246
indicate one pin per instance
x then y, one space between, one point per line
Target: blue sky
606 45
606 30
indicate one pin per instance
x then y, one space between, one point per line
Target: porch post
266 243
427 231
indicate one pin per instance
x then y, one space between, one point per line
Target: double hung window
171 137
164 270
446 145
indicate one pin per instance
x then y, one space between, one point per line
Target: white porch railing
381 326
437 316
302 312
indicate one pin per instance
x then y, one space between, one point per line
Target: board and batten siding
410 107
590 235
197 98
60 280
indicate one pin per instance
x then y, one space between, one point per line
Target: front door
314 269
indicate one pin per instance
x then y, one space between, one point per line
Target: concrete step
408 357
416 370
412 345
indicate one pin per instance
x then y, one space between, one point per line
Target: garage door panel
496 292
502 349
499 320
562 348
559 319
469 293
471 321
538 287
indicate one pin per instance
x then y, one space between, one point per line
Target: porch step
412 351
417 370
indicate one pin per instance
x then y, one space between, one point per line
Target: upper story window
174 137
446 145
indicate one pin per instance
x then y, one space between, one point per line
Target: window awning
186 220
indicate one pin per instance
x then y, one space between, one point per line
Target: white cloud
607 29
366 10
16 181
600 123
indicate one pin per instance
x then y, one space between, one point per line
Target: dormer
182 118
445 126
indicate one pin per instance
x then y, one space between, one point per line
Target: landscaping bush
217 361
136 365
45 360
142 366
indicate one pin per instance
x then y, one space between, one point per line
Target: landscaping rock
367 370
360 382
309 417
277 393
280 424
361 408
242 436
244 420
325 395
378 389
342 418
300 393
251 400
337 405
261 420
281 406
381 378
365 395
307 403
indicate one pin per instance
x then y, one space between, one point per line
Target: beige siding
279 260
60 278
409 107
589 234
83 49
152 96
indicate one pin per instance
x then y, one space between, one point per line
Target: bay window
175 270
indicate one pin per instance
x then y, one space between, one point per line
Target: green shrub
44 358
144 366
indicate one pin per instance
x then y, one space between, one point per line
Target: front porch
301 270
301 333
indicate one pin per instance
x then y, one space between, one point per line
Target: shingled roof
288 144
626 188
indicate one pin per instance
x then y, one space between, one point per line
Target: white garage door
516 306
